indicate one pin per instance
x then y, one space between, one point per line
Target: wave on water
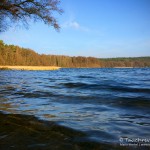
104 103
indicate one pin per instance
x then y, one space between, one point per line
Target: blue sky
99 28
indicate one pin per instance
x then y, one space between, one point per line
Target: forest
126 62
15 55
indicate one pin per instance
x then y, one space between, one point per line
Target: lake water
105 103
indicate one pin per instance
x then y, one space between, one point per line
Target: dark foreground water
107 104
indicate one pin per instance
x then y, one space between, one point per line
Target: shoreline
29 68
19 131
38 68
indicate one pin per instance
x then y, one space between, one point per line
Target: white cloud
71 24
74 25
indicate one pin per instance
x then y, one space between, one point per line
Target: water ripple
105 103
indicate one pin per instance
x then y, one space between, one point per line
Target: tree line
126 62
15 55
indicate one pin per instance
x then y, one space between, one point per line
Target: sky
97 28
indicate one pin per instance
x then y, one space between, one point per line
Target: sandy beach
29 68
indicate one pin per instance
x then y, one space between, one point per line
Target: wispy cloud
75 25
72 24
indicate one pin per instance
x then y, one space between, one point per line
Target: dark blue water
105 103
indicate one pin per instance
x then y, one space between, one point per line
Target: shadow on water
27 132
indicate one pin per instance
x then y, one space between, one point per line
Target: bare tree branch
22 10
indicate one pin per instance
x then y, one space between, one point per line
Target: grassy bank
29 68
22 132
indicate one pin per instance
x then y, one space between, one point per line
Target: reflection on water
105 103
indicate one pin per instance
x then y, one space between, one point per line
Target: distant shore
51 67
125 67
29 68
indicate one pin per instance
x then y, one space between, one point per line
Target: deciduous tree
22 11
